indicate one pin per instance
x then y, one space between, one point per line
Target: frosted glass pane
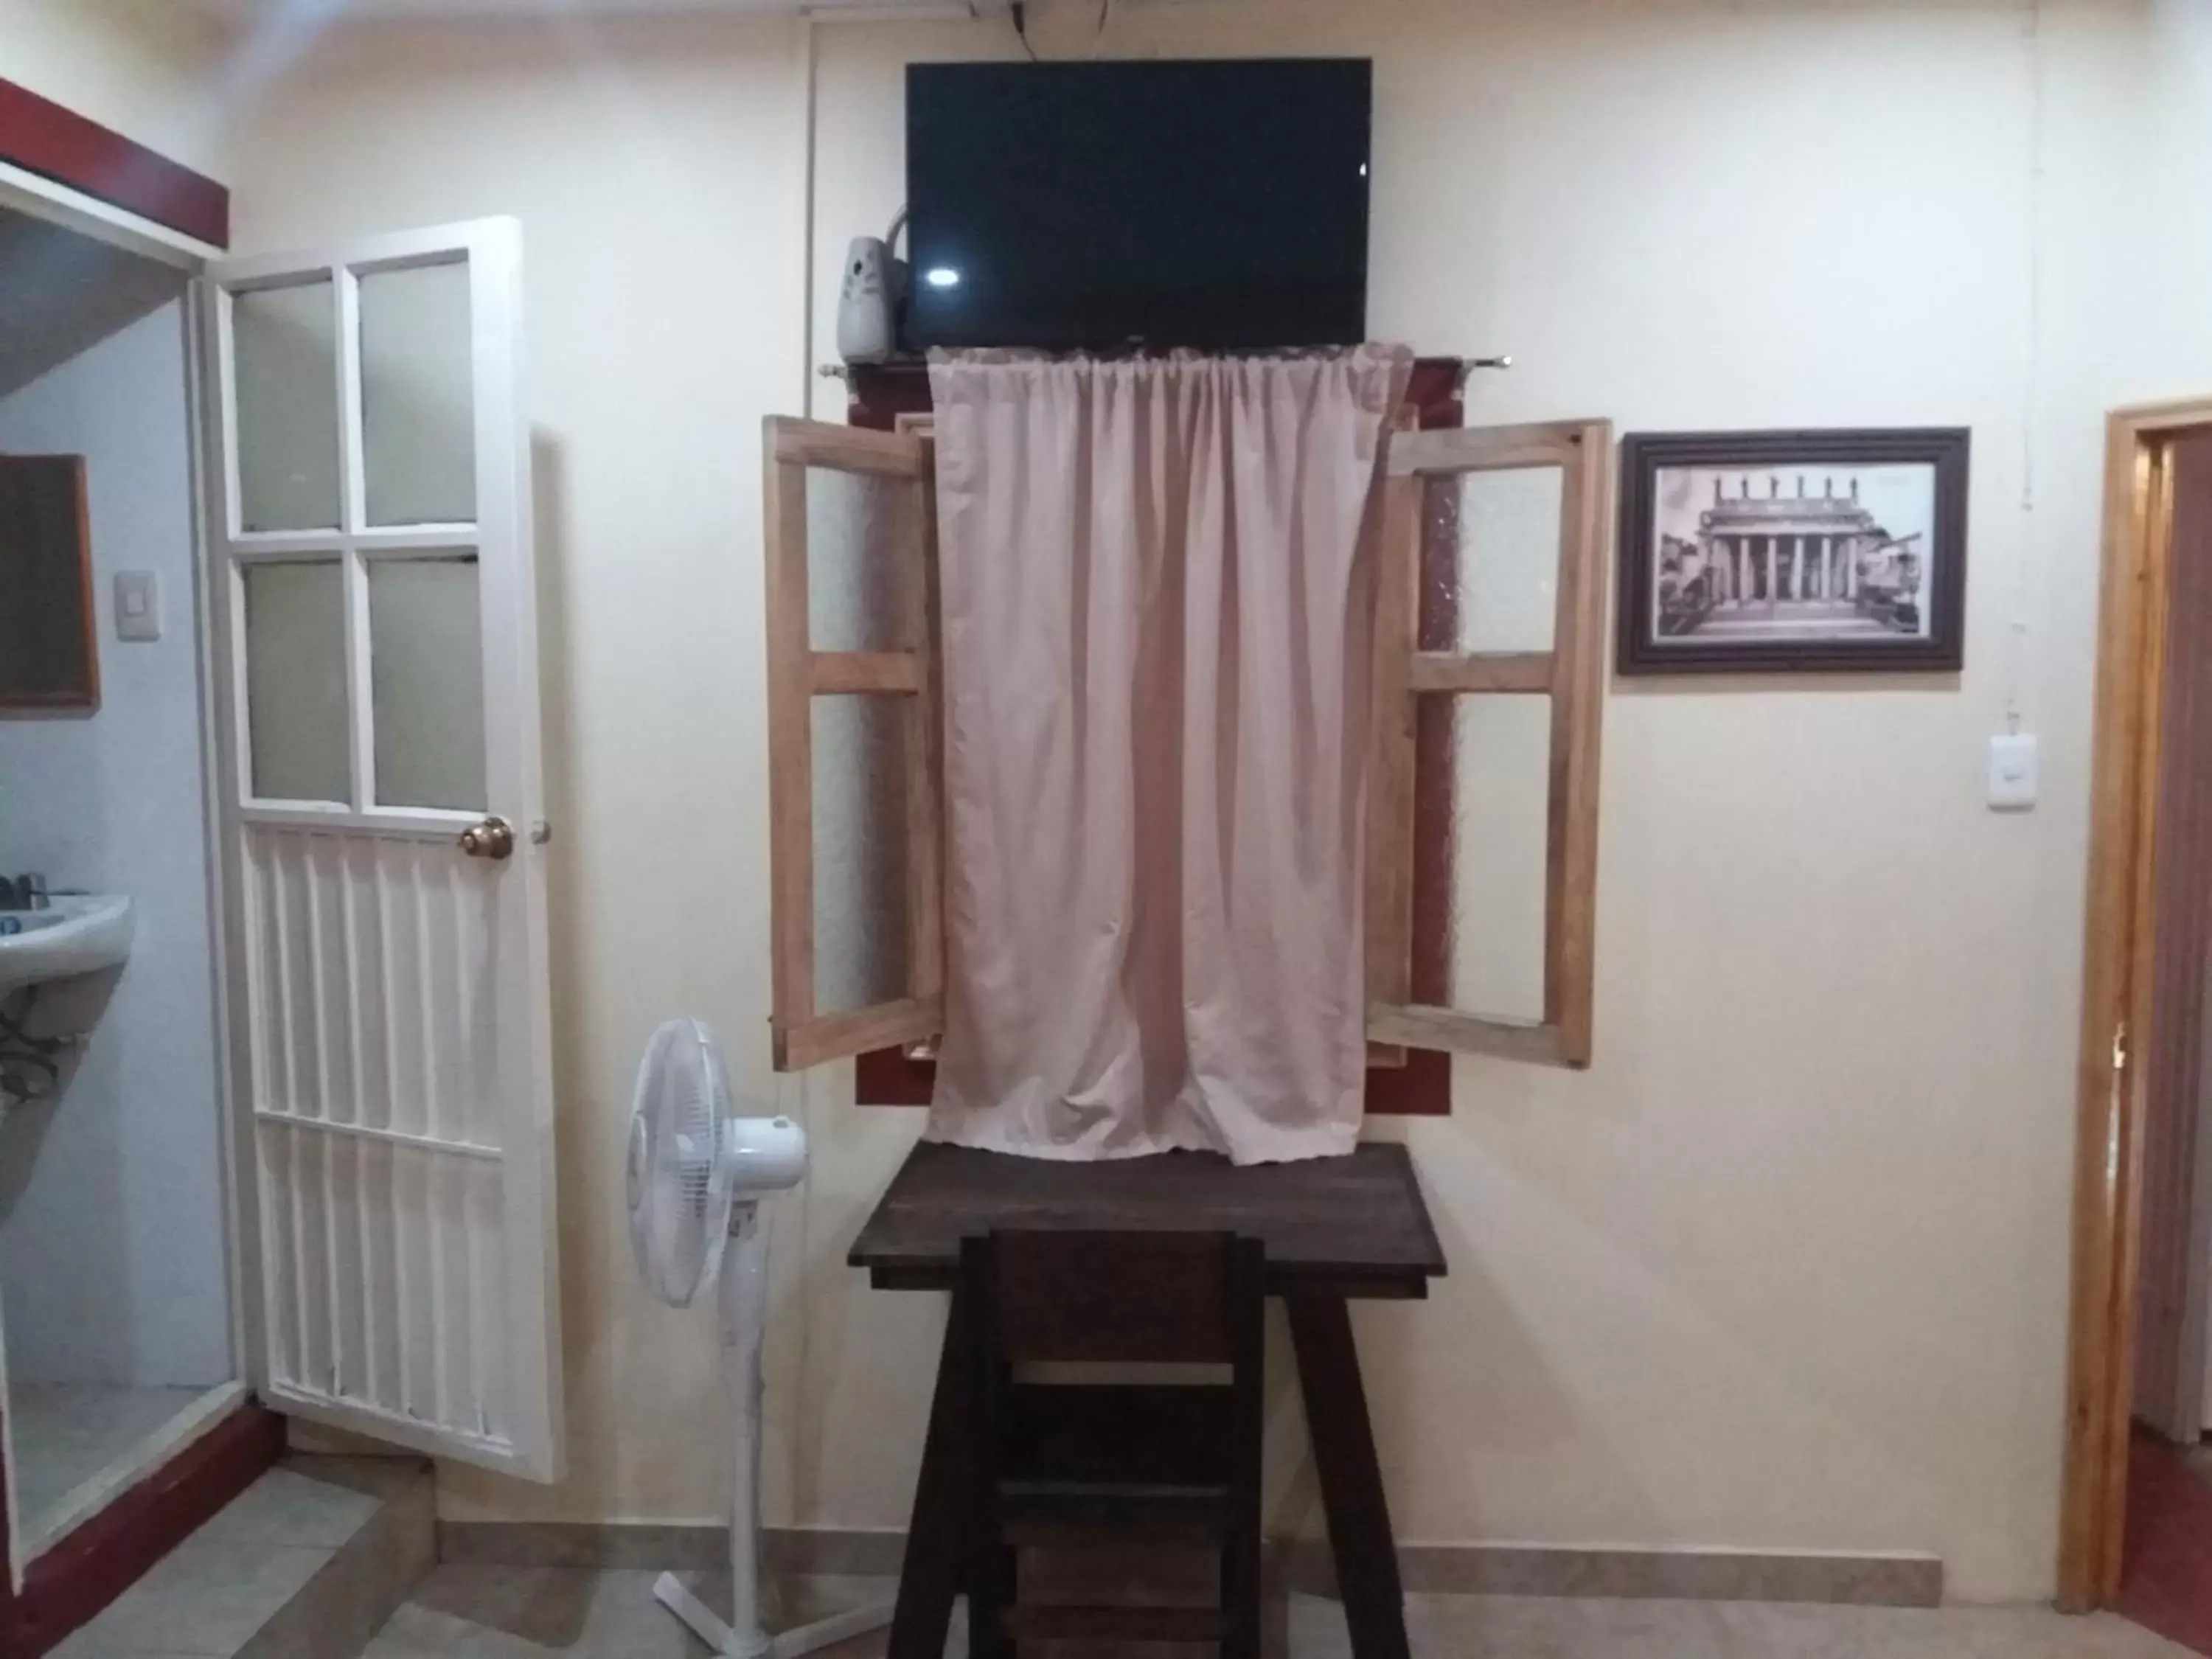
859 852
1491 568
296 681
426 681
417 402
285 366
861 550
1501 765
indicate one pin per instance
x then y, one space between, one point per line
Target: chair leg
1241 1637
1242 1625
987 1596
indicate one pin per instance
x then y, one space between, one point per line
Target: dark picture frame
1830 552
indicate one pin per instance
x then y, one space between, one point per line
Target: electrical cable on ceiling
1020 12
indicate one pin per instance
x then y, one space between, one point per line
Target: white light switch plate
2015 773
137 604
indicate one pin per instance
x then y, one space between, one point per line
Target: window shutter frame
796 675
1572 673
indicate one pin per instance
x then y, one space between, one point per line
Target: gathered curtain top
1370 375
1139 361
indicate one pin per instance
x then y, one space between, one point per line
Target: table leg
1359 1536
929 1576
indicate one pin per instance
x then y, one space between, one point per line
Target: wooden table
1335 1228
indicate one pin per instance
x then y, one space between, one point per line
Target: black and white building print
1792 555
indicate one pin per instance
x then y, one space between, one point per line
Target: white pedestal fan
697 1176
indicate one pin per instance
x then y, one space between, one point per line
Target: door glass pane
426 680
1491 561
417 399
859 851
296 681
284 345
862 546
1500 805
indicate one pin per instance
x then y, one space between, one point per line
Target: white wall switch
137 604
2014 773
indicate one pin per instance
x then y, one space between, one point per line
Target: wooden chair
1087 1463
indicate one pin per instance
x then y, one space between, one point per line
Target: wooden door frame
2116 991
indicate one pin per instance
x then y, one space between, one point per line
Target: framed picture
1765 552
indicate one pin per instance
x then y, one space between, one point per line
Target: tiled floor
520 1612
62 1434
214 1591
515 1612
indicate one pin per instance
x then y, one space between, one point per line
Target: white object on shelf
696 1176
867 300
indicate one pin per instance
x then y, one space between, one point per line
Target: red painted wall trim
1422 1086
41 137
103 1558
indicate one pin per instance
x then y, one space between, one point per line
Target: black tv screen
1218 205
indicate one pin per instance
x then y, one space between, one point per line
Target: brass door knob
491 838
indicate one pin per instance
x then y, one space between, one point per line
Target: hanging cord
1019 10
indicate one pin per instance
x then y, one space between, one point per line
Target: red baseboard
103 1558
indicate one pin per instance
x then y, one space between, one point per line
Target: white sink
79 934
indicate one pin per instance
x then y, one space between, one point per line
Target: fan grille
679 1189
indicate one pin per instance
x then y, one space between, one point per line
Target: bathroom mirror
49 659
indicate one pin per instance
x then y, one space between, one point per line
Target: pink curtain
1156 592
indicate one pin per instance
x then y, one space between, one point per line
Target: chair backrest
1115 1298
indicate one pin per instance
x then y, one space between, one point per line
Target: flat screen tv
1218 205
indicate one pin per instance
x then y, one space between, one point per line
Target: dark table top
1354 1225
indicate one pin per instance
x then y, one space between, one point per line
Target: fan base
669 1591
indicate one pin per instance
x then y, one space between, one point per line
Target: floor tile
523 1612
205 1597
63 1434
513 1613
282 1507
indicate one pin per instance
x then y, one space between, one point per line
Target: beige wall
1785 1268
156 70
657 168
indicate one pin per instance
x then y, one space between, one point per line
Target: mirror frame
82 695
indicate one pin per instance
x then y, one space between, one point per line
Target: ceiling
61 292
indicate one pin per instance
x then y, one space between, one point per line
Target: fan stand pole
744 1316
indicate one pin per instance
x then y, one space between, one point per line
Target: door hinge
2120 1047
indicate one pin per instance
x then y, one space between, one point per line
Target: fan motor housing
764 1154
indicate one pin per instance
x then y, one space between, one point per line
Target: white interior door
374 624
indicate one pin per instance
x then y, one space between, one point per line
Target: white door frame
71 209
58 204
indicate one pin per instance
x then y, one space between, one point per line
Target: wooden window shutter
1502 636
855 766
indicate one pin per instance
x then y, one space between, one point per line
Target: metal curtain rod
1466 368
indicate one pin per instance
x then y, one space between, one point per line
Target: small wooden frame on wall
49 638
1781 552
